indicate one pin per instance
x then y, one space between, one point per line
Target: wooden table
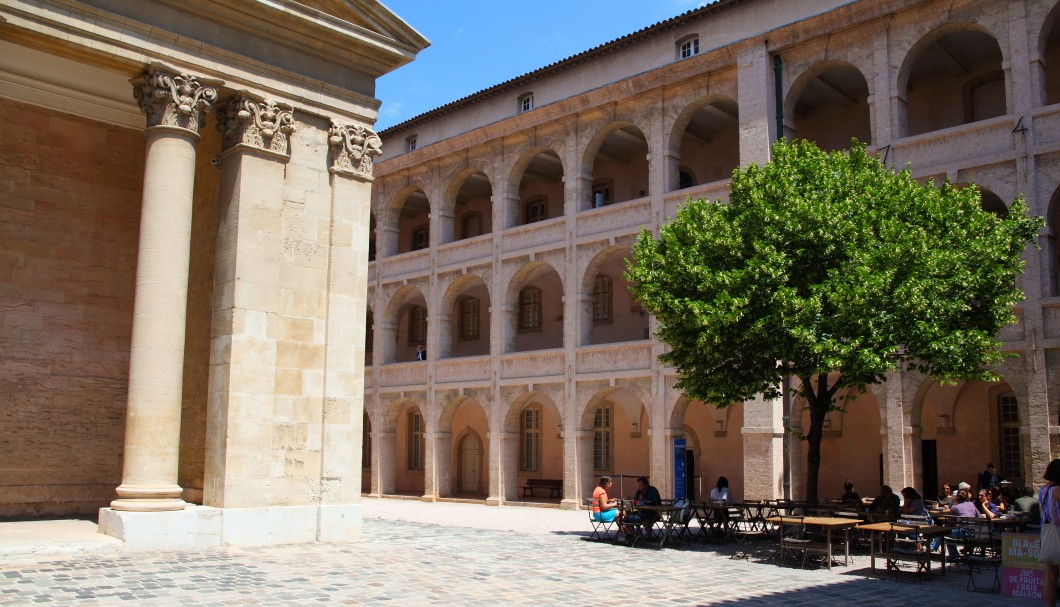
828 523
667 514
878 531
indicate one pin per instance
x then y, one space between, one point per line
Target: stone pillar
498 467
435 458
582 453
243 366
882 101
896 433
756 99
351 149
763 449
383 462
176 106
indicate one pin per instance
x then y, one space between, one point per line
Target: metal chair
602 530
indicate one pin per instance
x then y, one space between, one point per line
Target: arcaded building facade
184 216
502 223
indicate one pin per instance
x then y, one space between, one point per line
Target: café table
827 523
879 532
667 521
713 517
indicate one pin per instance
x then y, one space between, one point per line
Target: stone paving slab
413 563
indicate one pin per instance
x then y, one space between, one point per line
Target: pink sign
1022 576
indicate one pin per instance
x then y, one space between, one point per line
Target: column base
199 527
494 501
148 505
569 504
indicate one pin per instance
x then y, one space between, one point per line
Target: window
371 248
417 325
415 446
531 439
602 300
530 309
602 437
601 194
469 319
688 48
366 442
685 179
471 224
369 334
410 143
1011 459
421 238
536 210
526 102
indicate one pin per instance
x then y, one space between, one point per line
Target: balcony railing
534 235
463 251
403 374
618 216
629 355
464 369
717 190
958 144
414 262
536 363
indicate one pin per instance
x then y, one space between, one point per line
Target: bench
554 486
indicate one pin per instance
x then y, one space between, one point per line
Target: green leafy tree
827 267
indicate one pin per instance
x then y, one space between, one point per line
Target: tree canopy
821 267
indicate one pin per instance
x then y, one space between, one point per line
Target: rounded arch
393 411
1049 58
610 313
535 187
468 196
525 275
704 142
399 298
515 409
828 104
404 328
630 399
956 70
460 285
464 321
445 419
533 308
407 217
617 159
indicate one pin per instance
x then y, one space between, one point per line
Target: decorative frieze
174 100
352 147
252 121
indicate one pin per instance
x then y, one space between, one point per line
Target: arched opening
410 327
468 330
414 223
614 440
535 316
1050 54
540 193
851 449
992 203
468 473
537 453
473 207
955 79
832 107
410 451
620 168
714 446
709 146
611 314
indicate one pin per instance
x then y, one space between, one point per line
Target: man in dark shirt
646 494
886 502
988 479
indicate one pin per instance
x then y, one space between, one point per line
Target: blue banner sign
680 476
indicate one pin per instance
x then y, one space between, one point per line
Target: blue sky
476 44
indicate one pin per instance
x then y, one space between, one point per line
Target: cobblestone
402 562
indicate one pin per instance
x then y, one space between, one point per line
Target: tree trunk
820 401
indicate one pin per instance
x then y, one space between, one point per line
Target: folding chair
906 546
602 530
794 542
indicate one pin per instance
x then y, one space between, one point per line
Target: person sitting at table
963 505
914 503
886 502
849 495
605 509
999 500
720 492
646 495
986 508
946 495
1028 503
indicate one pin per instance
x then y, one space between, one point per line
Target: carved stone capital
352 147
256 122
171 99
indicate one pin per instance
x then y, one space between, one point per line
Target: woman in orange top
604 509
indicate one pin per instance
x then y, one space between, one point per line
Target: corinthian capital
172 99
352 147
256 122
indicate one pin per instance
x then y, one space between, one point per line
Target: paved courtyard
477 555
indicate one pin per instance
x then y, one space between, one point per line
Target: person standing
1049 504
421 354
989 478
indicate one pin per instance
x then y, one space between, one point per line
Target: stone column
498 467
756 99
176 106
243 365
384 462
763 448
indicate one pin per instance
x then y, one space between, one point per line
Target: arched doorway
469 470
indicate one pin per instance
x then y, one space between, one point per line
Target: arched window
415 446
530 309
603 436
471 224
410 143
421 238
1011 459
536 209
417 325
530 439
602 300
469 319
688 47
526 102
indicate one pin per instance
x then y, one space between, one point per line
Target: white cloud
391 109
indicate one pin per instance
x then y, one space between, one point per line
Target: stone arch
543 276
1049 56
828 104
1050 250
977 46
398 344
538 176
622 318
704 139
456 339
459 417
408 212
550 446
617 145
469 192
